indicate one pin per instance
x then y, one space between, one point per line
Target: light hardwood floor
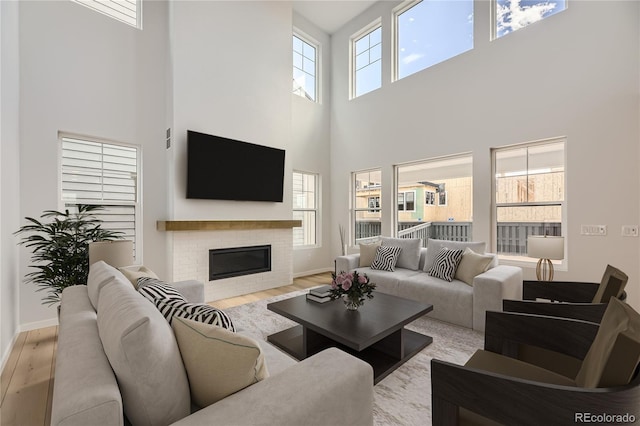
27 379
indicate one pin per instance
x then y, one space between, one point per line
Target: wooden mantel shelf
224 225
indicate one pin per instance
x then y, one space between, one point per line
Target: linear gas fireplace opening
236 261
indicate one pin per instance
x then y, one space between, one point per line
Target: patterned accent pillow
153 289
446 264
386 258
199 312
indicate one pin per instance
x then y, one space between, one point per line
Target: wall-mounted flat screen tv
226 169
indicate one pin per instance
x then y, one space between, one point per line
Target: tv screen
225 169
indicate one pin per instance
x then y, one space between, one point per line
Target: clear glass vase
352 303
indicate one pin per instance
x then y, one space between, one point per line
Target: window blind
102 174
126 11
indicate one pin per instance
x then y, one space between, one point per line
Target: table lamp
545 248
116 253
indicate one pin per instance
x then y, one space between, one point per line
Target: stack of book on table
320 294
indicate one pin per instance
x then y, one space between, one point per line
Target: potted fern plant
60 243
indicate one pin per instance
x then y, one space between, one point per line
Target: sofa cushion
367 253
446 264
386 258
218 362
434 246
615 352
472 264
100 275
388 281
410 255
144 355
134 272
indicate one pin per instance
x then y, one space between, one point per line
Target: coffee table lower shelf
291 341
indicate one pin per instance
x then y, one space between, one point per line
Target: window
435 198
511 15
529 194
366 211
305 208
407 201
305 68
366 60
127 11
428 32
106 174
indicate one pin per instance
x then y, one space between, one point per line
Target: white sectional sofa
119 363
455 302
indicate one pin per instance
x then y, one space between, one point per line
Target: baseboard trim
312 272
7 352
39 324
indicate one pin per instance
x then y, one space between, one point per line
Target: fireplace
236 261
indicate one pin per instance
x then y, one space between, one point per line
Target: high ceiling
331 15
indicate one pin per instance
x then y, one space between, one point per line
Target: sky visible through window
511 15
431 32
368 62
304 69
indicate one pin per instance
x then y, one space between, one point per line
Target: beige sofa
454 302
120 364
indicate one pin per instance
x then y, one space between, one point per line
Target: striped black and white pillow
446 263
194 311
153 289
386 258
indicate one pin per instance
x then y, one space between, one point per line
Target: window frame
493 6
305 38
316 210
137 204
524 261
363 32
404 201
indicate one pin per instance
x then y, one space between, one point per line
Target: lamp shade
116 253
545 247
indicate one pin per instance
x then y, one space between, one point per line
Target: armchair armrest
564 291
505 330
192 290
490 287
347 263
510 400
592 312
331 387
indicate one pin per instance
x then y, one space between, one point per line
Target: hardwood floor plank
10 366
47 417
26 399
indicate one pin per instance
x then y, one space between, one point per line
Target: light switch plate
599 230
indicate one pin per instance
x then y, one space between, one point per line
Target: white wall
574 74
9 175
84 73
310 123
231 67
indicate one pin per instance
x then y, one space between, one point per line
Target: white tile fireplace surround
192 241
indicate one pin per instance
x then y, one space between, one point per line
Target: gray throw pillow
410 255
434 247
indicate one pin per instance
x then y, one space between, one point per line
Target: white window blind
127 11
102 174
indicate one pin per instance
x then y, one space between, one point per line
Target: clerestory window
127 11
305 67
512 15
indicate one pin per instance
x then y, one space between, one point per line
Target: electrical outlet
629 230
599 230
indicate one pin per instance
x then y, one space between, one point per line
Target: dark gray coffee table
374 333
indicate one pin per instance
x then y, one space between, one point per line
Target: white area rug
403 397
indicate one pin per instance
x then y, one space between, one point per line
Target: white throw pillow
386 258
368 253
218 362
410 255
446 264
434 246
472 264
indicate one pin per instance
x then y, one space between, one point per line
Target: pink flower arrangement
355 286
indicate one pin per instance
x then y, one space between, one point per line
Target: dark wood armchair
495 388
582 300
